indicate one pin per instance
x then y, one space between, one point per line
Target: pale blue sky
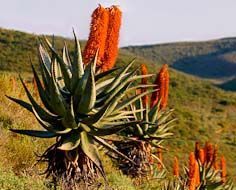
144 21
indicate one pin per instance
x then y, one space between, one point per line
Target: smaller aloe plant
203 172
208 175
143 140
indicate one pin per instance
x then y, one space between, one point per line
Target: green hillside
16 49
204 112
214 59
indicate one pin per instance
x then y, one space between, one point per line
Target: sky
144 21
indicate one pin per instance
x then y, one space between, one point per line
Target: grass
11 181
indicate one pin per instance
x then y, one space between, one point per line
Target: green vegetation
18 47
10 181
204 113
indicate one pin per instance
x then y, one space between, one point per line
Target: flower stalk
112 38
97 36
162 82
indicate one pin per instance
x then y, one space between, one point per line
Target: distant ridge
213 59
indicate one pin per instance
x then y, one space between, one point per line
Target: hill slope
204 112
214 59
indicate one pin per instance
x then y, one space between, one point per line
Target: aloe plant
143 139
209 178
203 172
80 107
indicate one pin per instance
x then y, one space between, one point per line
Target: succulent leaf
21 103
77 64
46 60
105 73
43 95
70 142
35 133
87 101
64 68
49 117
118 79
109 147
89 148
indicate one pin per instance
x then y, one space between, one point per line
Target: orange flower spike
209 152
162 82
144 71
159 155
223 169
166 92
197 174
156 95
176 167
214 160
112 40
191 174
97 36
202 156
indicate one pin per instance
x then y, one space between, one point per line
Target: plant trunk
70 169
138 151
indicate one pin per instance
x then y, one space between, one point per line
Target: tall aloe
80 107
144 139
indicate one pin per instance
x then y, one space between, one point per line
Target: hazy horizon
143 23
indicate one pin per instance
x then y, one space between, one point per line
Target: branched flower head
209 152
223 169
97 36
162 82
144 71
191 174
112 39
176 167
197 174
215 163
202 156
